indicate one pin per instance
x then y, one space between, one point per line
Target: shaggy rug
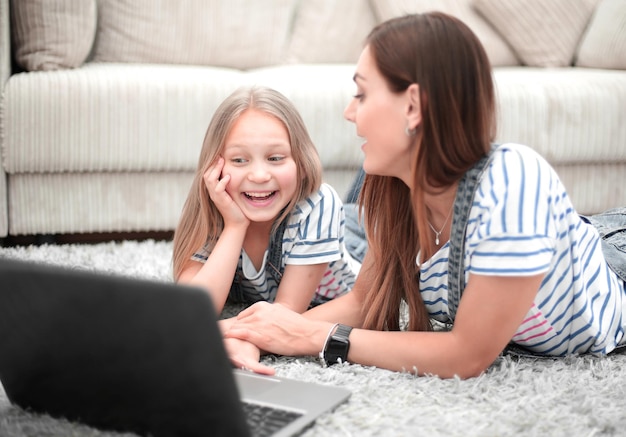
574 396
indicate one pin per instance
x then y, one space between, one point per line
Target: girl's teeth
259 195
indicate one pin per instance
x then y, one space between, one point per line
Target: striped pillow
52 34
543 33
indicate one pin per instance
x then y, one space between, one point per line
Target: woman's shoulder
518 152
514 160
519 187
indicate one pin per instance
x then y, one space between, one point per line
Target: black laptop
136 355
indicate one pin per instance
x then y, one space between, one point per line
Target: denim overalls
610 224
273 265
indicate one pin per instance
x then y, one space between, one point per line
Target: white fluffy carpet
575 396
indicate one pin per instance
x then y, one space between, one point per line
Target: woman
534 271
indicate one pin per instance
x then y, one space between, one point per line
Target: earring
410 132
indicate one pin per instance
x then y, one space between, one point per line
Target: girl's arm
298 285
217 273
346 309
490 311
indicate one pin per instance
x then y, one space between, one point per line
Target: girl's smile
260 199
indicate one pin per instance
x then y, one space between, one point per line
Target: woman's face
381 118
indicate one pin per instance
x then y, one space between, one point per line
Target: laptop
134 355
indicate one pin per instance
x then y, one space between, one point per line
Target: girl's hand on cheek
216 184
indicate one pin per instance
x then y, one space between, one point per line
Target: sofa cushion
604 43
235 33
569 115
52 34
322 34
111 117
542 33
52 203
500 54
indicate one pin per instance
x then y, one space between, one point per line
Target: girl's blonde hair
201 221
442 55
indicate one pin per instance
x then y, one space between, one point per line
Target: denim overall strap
611 226
273 264
462 205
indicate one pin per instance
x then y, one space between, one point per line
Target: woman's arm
491 310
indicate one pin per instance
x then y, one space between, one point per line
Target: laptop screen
115 353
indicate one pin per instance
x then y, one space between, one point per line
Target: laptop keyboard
264 421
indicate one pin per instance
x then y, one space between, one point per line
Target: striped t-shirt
522 223
314 235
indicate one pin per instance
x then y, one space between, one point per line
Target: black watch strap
337 346
343 331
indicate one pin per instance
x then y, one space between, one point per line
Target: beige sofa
105 102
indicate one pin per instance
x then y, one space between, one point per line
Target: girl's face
257 155
381 118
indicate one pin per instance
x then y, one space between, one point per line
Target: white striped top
314 235
522 223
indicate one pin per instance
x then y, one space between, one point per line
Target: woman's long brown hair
442 55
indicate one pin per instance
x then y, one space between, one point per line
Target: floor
37 240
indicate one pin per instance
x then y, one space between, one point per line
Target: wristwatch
337 346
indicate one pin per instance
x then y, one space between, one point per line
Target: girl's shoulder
325 197
321 209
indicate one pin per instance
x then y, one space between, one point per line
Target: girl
530 270
258 224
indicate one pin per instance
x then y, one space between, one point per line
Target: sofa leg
41 239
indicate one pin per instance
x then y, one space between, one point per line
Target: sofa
104 103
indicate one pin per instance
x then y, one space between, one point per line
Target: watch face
338 345
337 348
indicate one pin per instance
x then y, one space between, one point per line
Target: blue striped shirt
314 235
522 223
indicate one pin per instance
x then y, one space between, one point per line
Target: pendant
437 238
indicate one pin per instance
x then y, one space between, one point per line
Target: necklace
438 233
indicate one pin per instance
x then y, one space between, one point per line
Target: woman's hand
276 329
245 355
216 184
